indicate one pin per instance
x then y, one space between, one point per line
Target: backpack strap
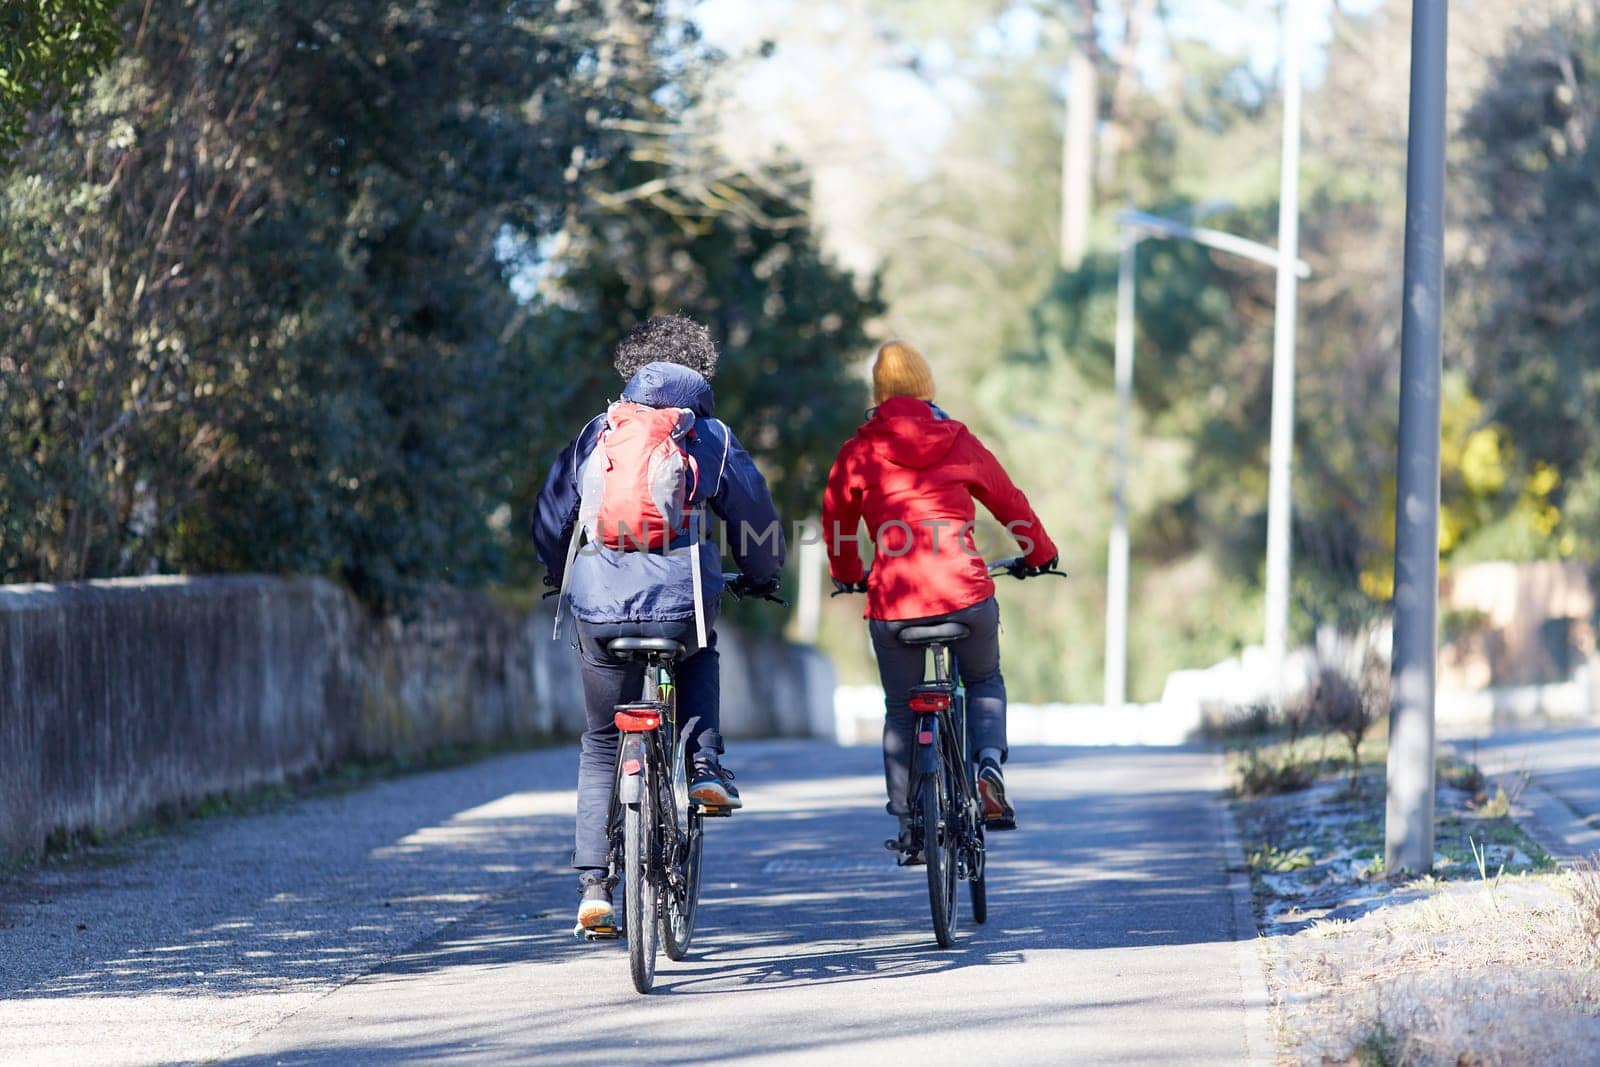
696 520
586 514
696 525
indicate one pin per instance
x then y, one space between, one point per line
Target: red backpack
636 484
635 488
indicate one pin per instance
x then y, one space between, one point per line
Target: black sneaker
595 913
998 814
712 785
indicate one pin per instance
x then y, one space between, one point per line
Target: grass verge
1494 958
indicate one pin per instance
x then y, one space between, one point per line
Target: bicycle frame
941 736
935 703
649 750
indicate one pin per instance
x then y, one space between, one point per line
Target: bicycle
946 821
655 827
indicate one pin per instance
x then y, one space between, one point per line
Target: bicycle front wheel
939 842
641 910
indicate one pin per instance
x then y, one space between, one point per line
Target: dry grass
1496 960
1584 887
1490 973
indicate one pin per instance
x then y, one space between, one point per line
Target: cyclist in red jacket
913 473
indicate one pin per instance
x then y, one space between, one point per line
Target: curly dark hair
667 339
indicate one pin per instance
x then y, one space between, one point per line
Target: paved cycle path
428 918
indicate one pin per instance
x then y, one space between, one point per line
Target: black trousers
607 682
901 667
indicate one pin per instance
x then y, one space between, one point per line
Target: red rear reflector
634 722
631 766
925 737
926 703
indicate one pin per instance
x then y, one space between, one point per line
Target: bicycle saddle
631 646
938 633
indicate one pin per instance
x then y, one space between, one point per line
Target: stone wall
118 697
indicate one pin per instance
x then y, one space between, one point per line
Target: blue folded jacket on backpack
614 585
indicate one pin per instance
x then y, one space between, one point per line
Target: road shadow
802 896
807 898
321 889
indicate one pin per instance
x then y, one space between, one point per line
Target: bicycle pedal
604 933
713 811
906 857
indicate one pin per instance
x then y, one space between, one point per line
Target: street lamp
1135 226
1279 504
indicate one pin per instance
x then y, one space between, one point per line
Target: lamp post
1135 226
1279 499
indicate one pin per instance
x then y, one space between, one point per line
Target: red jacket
908 472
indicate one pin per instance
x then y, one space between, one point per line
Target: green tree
256 287
1529 283
49 49
264 285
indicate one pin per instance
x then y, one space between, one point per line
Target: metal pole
812 565
1282 450
1077 157
1408 825
1117 553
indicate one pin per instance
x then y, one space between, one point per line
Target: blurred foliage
49 49
1024 351
1531 282
265 287
255 292
323 288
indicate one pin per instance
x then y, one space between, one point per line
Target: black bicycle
946 824
655 827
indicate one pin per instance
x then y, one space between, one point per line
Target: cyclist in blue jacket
667 361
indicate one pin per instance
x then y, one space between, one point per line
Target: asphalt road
1552 776
428 918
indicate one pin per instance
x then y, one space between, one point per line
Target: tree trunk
1077 142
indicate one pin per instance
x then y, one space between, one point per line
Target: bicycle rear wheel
639 827
683 902
977 885
939 841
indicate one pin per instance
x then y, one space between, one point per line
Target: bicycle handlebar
1018 568
729 578
1015 566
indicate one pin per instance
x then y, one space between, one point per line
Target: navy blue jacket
610 585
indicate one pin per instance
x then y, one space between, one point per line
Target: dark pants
607 682
901 667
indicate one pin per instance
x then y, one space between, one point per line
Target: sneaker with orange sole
998 814
596 917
